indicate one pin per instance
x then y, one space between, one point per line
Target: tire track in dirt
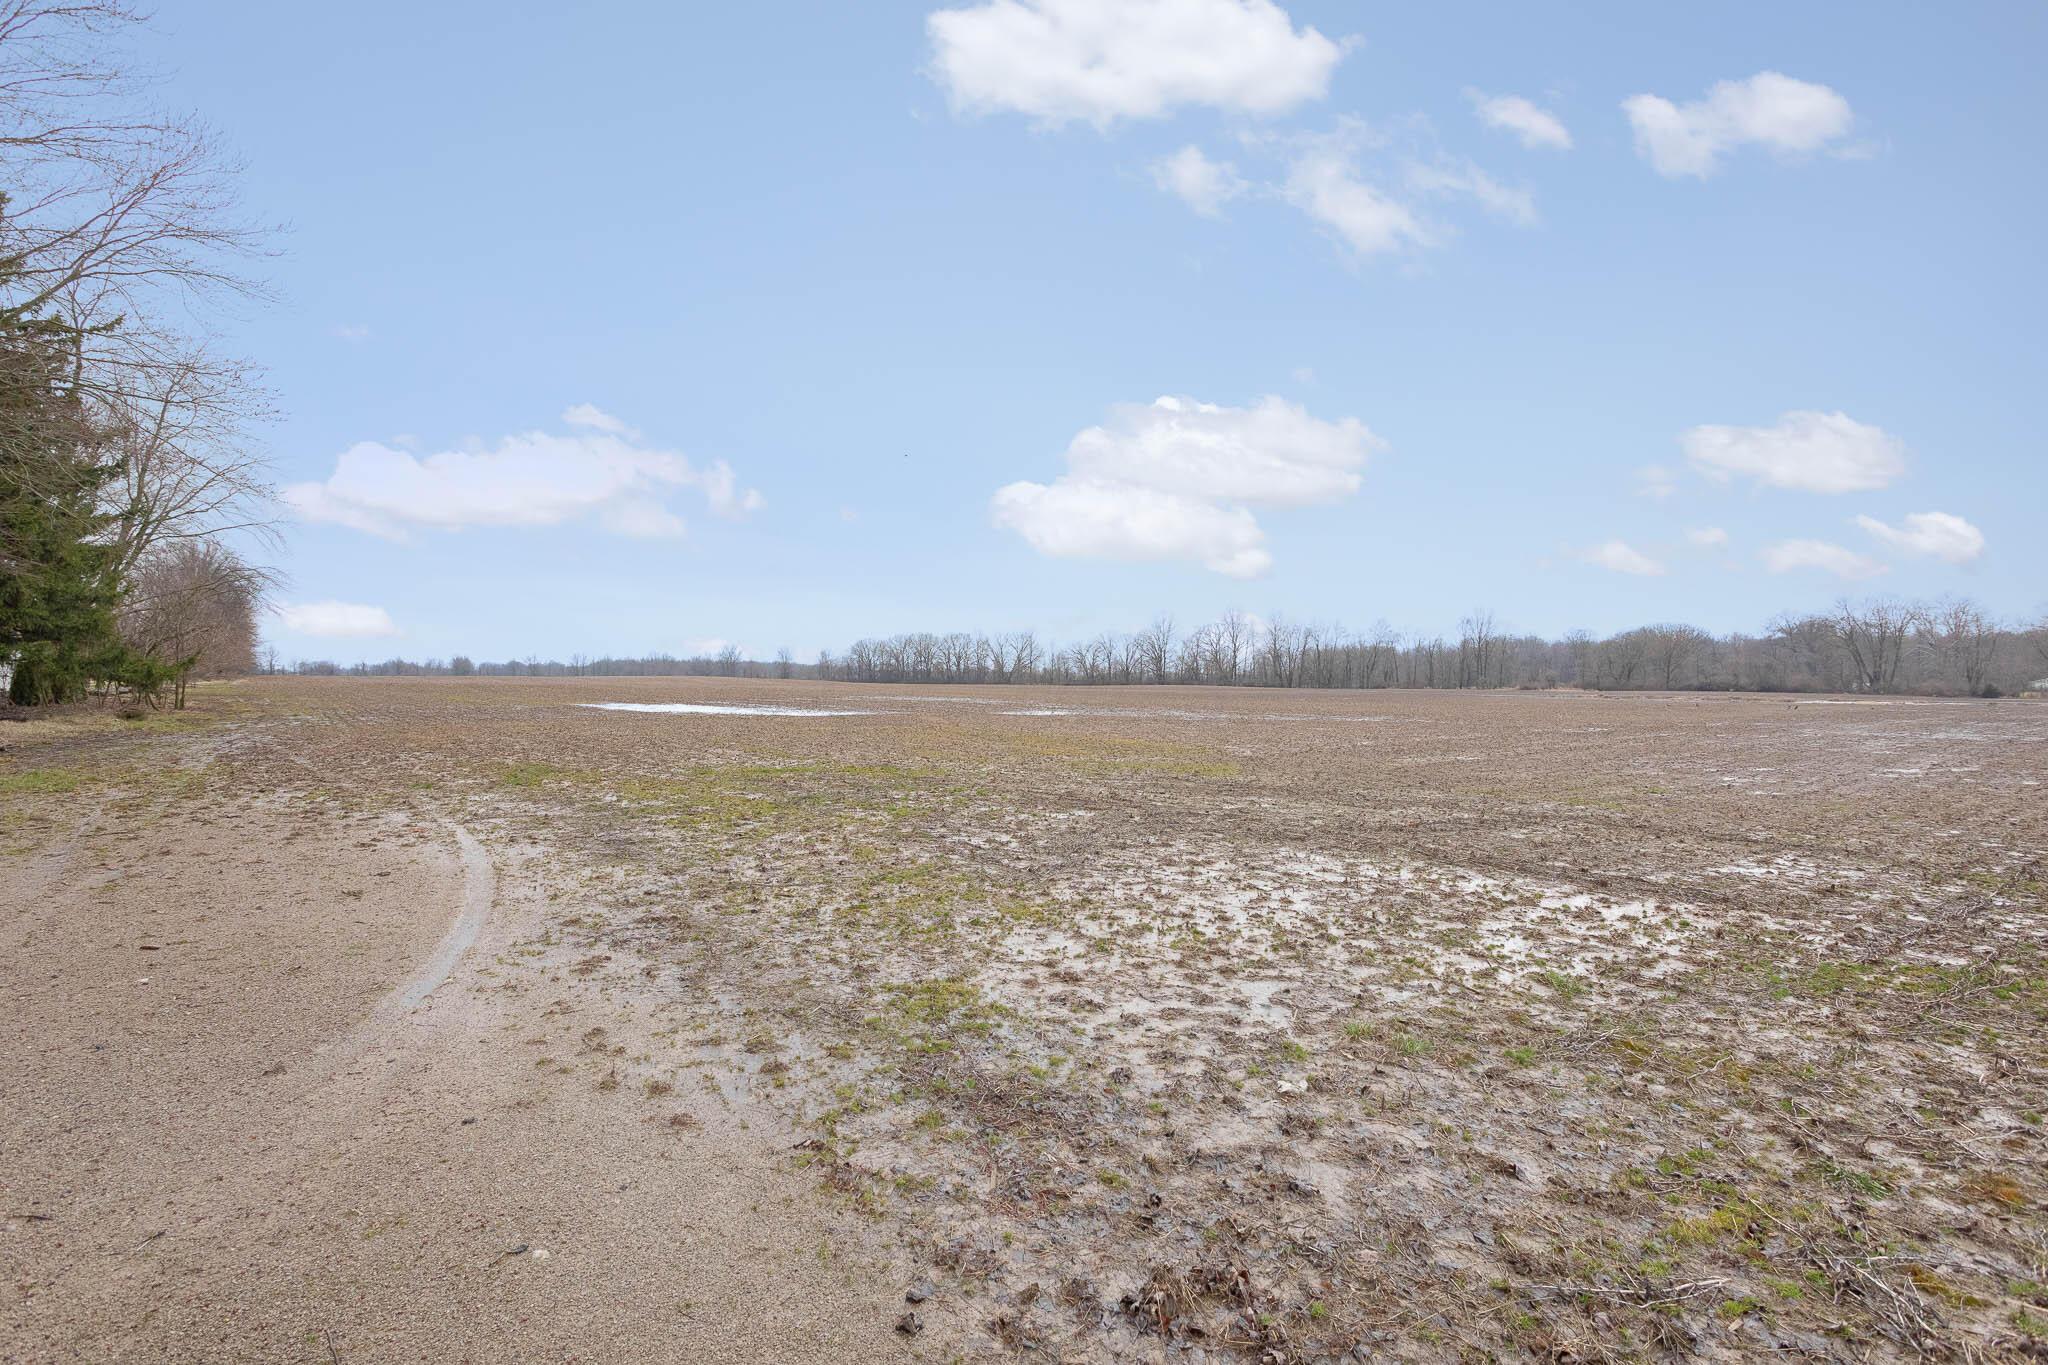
479 893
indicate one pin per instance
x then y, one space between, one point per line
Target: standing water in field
689 708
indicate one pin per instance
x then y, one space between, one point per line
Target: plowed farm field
364 1019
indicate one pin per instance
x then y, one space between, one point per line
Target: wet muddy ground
1216 1024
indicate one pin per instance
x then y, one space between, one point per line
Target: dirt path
269 1096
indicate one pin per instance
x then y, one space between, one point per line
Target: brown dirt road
241 1125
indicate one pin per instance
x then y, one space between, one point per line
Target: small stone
910 1324
919 1292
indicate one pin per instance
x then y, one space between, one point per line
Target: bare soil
1150 1024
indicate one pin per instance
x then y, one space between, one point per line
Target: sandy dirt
1151 1024
272 1093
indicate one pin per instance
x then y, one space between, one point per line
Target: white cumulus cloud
1090 519
597 419
1059 61
338 620
1621 557
1769 109
602 471
1818 452
1176 479
1788 556
1204 185
1533 124
1941 534
1707 537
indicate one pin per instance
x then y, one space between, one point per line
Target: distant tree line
727 663
124 463
1946 648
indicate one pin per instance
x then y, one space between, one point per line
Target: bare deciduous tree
1382 647
111 209
1476 641
1671 648
1966 639
188 467
1024 654
1874 636
193 606
1155 650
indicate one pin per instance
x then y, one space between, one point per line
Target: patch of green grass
1021 910
927 1013
1736 1220
1849 1178
40 782
1687 1163
527 776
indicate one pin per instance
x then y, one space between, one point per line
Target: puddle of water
1857 701
691 708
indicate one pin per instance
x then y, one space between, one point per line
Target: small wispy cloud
336 620
1202 184
1940 534
1534 125
1618 556
1790 556
1656 481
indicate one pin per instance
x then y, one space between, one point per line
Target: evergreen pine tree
57 588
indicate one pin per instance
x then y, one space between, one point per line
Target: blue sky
788 324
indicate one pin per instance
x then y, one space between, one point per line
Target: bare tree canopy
193 605
123 433
1949 648
119 226
110 205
